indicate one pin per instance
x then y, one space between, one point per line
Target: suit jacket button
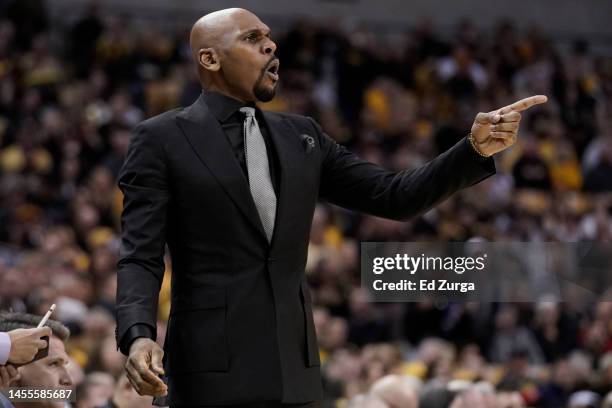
271 259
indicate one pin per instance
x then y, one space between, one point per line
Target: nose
269 47
66 378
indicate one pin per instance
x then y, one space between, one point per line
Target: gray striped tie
258 168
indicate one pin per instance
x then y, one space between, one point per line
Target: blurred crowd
70 95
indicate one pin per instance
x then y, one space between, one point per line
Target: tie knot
248 111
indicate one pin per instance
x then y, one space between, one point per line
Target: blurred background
398 83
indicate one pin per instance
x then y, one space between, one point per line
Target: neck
214 87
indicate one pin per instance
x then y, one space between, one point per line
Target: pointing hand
497 130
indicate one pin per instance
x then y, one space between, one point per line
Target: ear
209 59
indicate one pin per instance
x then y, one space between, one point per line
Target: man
19 346
232 190
48 372
397 391
95 390
126 397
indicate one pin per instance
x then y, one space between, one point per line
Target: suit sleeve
143 181
353 183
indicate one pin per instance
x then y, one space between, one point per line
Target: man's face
125 396
48 372
247 59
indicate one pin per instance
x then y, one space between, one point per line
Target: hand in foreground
143 365
25 343
9 375
497 130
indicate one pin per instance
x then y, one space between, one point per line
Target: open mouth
272 70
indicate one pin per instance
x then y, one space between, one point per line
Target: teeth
273 68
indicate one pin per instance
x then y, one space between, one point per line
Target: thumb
41 344
156 361
488 118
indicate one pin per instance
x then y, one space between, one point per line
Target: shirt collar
223 106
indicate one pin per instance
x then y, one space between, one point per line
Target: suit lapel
206 137
284 144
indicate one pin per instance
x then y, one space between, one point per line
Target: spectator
512 339
49 372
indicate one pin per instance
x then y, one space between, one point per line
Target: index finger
148 375
42 331
523 104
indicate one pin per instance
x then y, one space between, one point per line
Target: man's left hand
9 375
497 130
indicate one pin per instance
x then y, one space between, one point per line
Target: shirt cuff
5 347
135 331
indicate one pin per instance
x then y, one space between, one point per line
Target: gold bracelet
473 143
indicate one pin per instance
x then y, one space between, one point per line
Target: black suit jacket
241 327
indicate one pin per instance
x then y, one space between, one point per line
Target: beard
262 92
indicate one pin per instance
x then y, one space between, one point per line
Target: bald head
367 401
212 29
233 50
396 390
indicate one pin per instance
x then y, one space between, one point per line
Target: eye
251 37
